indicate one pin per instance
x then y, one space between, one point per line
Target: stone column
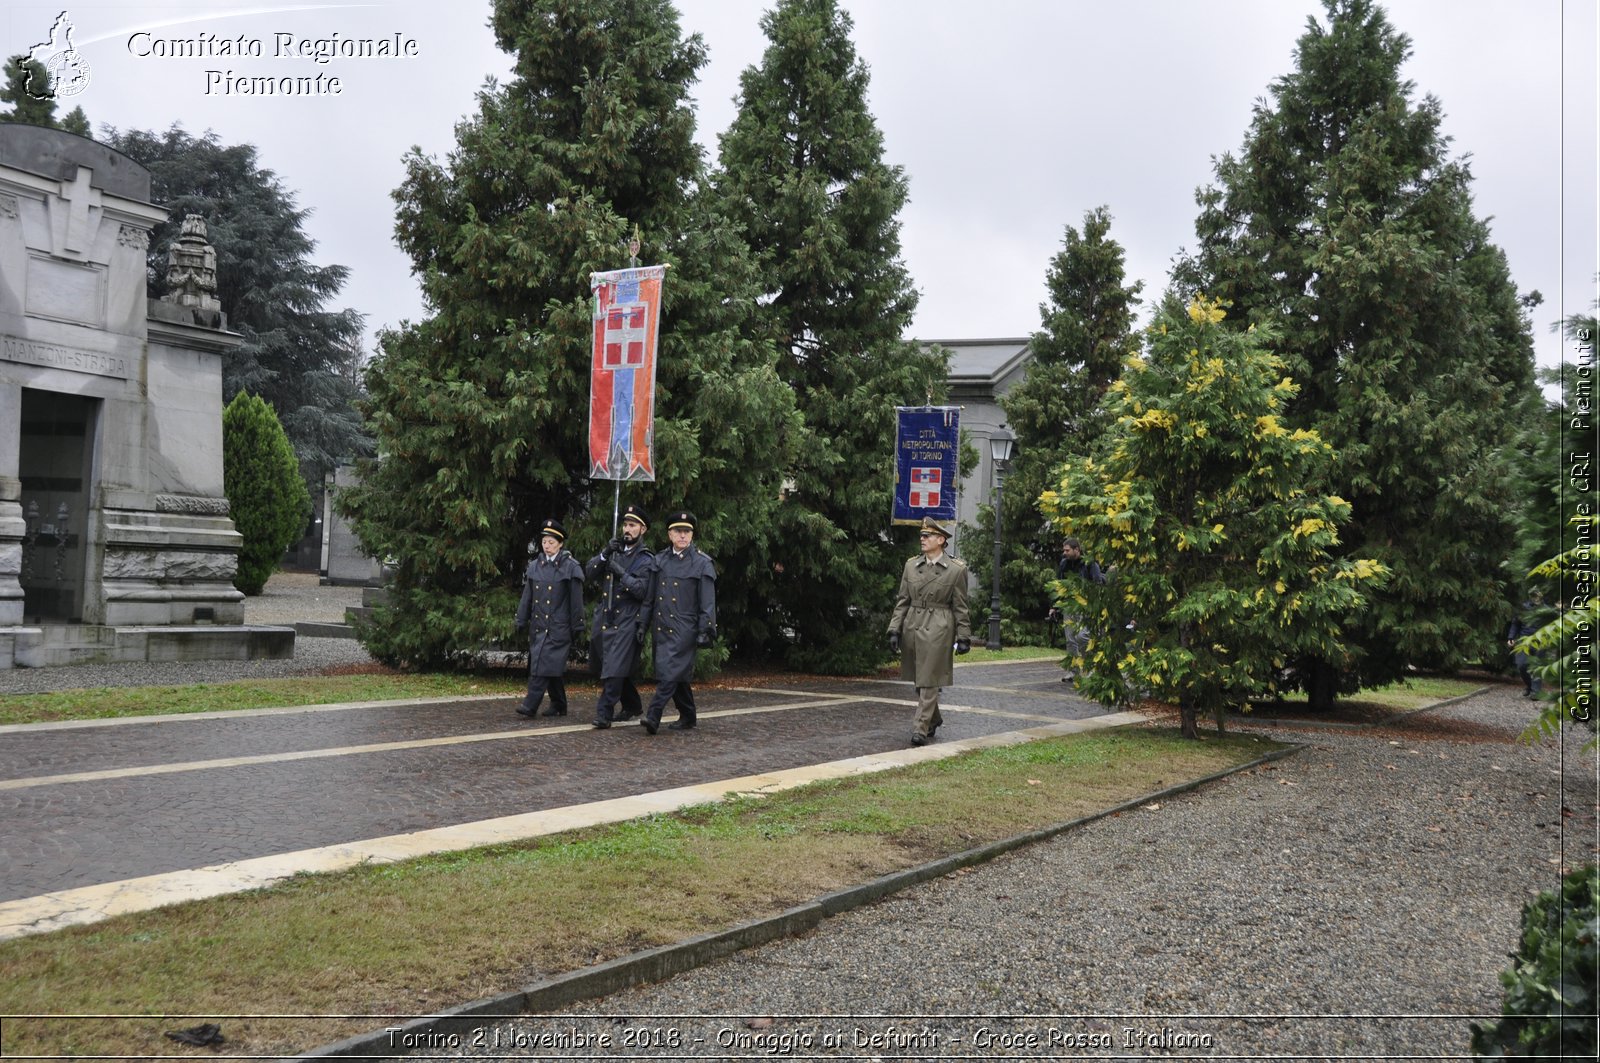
12 526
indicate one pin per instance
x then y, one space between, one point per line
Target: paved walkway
1356 901
104 817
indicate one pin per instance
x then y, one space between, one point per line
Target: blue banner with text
926 461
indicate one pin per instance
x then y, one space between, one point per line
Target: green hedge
1550 989
266 496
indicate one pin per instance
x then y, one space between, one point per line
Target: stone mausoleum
115 542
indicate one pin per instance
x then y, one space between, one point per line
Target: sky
1011 119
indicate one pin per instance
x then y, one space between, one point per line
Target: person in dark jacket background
1525 623
551 611
622 615
1074 627
684 620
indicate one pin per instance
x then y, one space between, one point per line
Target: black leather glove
702 640
613 547
521 625
616 564
894 642
963 645
638 635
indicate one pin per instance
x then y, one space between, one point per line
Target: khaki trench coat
930 613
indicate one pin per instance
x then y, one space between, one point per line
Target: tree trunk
1322 686
1186 703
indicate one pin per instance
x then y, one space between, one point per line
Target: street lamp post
1000 444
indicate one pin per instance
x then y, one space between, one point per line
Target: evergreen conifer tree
267 499
803 173
77 122
28 107
1199 503
480 409
1086 333
1344 224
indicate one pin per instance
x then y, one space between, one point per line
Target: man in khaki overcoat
930 617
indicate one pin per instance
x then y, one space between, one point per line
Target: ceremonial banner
622 375
927 449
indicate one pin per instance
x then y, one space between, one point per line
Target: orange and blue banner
926 463
622 376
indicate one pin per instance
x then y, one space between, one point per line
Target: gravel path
1284 911
289 597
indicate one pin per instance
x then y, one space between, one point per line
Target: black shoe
630 714
918 738
648 724
552 711
681 725
523 710
601 724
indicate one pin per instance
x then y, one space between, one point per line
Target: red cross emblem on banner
924 486
624 342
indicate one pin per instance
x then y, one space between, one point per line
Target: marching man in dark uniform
930 616
622 616
684 620
552 611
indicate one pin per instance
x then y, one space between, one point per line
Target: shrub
266 496
1549 1010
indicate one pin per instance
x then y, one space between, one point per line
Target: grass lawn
979 655
1380 702
392 941
101 703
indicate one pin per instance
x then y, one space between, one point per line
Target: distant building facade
981 372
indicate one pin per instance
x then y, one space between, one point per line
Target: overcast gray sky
1010 117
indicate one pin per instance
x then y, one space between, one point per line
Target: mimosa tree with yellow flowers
1205 509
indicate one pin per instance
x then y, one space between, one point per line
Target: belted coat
552 610
622 611
930 614
685 608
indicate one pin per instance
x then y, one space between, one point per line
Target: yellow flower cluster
1365 568
1310 526
1205 311
1154 418
1268 425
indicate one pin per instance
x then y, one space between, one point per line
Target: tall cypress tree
480 409
803 172
1345 224
1086 333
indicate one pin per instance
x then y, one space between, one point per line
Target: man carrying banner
684 619
551 611
622 616
930 614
